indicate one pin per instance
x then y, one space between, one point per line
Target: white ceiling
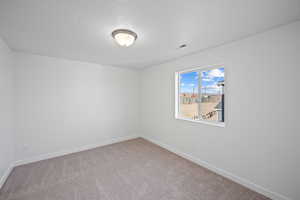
81 29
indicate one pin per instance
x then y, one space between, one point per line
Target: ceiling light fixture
124 37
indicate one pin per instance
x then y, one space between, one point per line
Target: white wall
63 105
260 142
6 110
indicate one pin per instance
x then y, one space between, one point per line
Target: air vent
182 46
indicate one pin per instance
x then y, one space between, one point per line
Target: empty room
149 100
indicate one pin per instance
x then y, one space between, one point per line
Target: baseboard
5 175
239 180
74 150
242 181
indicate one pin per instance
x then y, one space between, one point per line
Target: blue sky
209 81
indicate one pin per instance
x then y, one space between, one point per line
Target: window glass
201 95
212 95
189 95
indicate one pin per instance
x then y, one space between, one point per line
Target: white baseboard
74 150
239 180
5 175
242 181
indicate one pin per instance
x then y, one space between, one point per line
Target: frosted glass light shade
124 37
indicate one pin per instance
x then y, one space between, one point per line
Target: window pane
212 95
188 95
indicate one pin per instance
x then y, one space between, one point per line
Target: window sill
219 124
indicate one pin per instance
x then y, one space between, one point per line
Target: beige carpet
130 170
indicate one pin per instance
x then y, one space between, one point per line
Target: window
200 95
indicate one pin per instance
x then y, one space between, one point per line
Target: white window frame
177 93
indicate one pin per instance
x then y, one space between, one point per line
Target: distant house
187 98
220 110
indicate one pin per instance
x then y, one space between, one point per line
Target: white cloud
211 87
207 79
216 73
182 84
192 85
